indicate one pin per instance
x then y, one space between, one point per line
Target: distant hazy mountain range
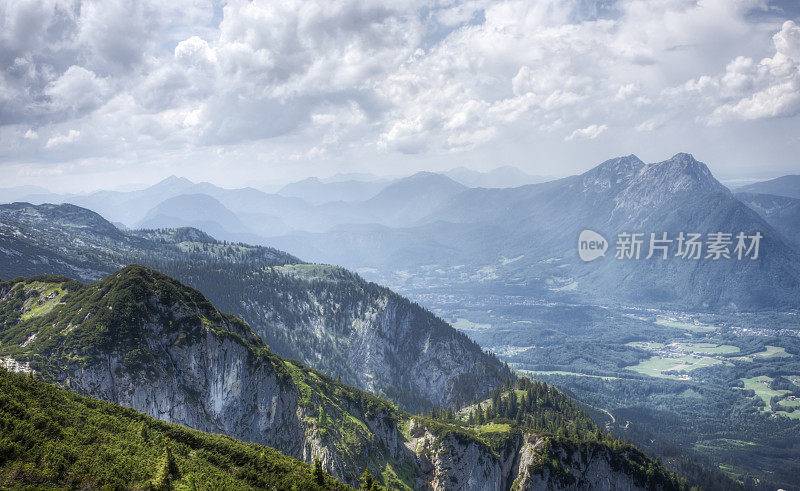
247 214
788 186
502 177
316 191
471 229
525 238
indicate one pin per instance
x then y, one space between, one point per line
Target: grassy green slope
50 437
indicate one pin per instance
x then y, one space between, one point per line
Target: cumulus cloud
315 79
589 133
767 89
78 90
62 139
747 89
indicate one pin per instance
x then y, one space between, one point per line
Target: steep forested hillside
781 212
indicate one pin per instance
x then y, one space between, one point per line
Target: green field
646 345
760 385
465 325
769 352
657 365
707 348
680 357
723 443
534 373
689 326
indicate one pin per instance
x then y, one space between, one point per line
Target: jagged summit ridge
612 173
681 172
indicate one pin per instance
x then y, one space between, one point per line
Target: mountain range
143 340
526 239
788 186
429 229
506 176
322 315
172 355
317 191
312 204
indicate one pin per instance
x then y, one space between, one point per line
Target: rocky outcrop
576 469
453 462
334 321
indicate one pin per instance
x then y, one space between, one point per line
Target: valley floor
724 389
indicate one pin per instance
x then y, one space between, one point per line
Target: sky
102 94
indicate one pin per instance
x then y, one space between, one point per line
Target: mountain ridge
788 186
477 230
324 316
175 357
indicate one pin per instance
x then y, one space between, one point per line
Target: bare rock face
335 322
585 471
213 385
452 463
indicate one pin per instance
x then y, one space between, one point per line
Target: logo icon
591 245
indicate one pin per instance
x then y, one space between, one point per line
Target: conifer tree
319 474
366 480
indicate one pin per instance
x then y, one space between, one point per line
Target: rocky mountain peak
613 172
680 173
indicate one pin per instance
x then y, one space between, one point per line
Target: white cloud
30 134
747 90
365 79
62 139
589 133
78 90
768 89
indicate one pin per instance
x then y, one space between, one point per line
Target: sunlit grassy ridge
50 320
